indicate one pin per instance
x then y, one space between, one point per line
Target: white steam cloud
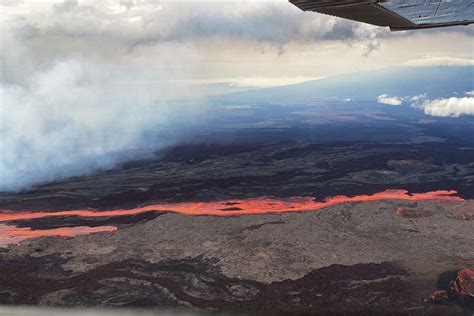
386 99
453 107
439 61
74 118
84 84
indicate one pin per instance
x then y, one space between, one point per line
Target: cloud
386 99
129 25
85 83
439 61
74 118
417 101
452 107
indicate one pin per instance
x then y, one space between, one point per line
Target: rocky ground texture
387 256
351 257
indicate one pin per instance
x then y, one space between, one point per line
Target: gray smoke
85 85
73 118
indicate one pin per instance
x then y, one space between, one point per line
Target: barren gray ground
263 249
275 247
376 257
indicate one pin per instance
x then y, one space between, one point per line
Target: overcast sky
212 40
84 80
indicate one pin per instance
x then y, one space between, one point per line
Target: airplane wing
396 14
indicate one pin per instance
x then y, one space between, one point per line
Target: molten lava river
10 234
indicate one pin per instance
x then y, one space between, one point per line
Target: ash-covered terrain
364 213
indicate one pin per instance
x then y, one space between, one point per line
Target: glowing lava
12 234
240 207
262 205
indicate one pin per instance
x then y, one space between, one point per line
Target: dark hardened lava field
199 282
363 258
207 173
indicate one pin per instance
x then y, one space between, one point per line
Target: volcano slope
372 255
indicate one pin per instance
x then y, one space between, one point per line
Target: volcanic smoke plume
74 118
85 85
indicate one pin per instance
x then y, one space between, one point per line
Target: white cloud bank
453 106
439 61
447 107
84 81
386 99
85 84
73 118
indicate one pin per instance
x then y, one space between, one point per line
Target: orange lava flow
12 234
240 207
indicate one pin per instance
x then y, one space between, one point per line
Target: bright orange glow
12 234
262 205
240 207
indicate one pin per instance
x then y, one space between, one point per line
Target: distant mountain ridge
436 82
